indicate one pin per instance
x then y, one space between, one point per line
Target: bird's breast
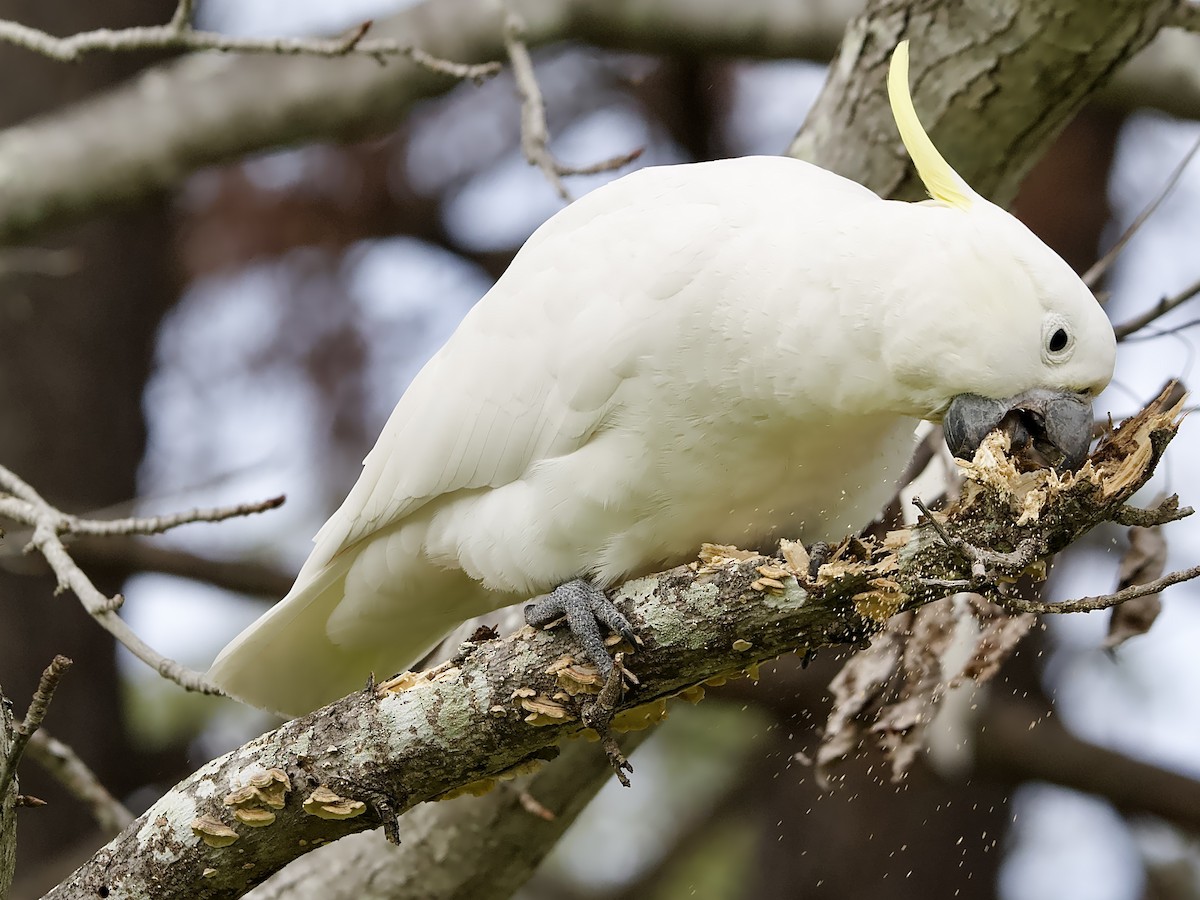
637 499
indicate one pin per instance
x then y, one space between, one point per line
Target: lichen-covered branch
502 706
498 840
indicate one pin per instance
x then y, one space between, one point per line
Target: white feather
691 353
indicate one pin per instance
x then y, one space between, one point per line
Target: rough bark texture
500 705
8 804
440 846
990 74
993 83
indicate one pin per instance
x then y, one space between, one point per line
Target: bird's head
995 330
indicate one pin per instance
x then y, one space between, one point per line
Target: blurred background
248 336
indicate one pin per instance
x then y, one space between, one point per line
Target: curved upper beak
1048 429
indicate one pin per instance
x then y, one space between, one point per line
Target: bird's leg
818 554
585 607
599 715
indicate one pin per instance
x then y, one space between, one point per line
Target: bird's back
614 400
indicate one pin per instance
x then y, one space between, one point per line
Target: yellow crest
942 182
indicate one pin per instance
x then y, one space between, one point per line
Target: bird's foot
818 554
585 608
599 713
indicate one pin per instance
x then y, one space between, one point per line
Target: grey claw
585 607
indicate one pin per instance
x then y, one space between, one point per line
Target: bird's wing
534 369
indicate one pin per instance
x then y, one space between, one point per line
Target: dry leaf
1145 560
999 634
856 688
900 725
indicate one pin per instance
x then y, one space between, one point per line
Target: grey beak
1048 429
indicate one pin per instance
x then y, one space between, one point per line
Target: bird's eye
1057 341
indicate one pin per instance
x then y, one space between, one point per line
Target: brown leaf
1144 561
862 681
900 725
1000 632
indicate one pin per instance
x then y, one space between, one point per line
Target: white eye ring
1058 341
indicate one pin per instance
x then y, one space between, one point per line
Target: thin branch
1160 309
159 524
65 766
1168 510
1103 601
38 707
1093 275
135 555
535 134
184 13
178 34
51 525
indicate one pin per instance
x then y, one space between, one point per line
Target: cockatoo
732 352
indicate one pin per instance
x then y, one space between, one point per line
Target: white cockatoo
732 351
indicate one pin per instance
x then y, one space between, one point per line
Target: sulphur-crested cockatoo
731 351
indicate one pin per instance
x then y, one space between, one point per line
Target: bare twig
74 774
1104 601
178 34
159 524
1093 275
38 706
1157 311
535 135
182 18
1168 510
984 562
50 525
136 555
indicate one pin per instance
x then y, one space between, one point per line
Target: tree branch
495 838
158 524
1102 601
65 766
179 34
38 708
1157 311
8 803
197 112
504 703
535 135
991 98
1009 748
1099 268
49 525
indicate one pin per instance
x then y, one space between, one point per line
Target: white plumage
733 352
